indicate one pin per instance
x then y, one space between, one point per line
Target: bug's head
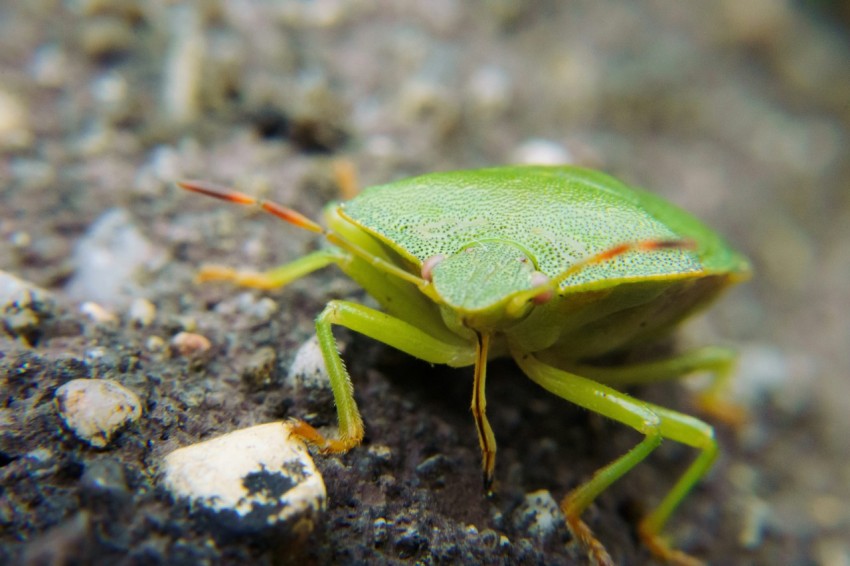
480 281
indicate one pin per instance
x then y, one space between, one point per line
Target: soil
735 111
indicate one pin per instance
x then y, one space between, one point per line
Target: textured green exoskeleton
555 267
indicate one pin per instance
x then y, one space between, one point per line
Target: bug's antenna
297 219
229 195
546 288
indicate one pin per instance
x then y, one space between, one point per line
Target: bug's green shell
560 215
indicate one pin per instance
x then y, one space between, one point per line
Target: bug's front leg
486 438
384 328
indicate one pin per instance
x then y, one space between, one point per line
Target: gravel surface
736 111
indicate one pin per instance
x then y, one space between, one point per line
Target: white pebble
536 151
155 344
184 64
490 88
308 368
539 515
190 344
97 313
756 515
259 309
23 307
767 372
15 129
250 479
142 312
107 259
95 409
20 239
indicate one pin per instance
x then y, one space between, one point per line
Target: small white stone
23 307
539 515
248 304
107 259
15 291
756 514
250 479
490 87
184 65
14 124
20 239
308 368
190 344
381 452
49 66
142 312
316 14
155 343
97 313
95 409
765 373
537 151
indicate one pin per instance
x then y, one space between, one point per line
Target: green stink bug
555 267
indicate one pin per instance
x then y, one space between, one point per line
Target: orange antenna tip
217 191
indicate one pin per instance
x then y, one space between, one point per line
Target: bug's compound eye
539 279
429 264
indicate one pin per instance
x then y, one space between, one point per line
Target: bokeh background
736 111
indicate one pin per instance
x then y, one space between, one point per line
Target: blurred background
737 111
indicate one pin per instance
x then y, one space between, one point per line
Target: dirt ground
736 111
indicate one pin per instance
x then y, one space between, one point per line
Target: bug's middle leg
384 328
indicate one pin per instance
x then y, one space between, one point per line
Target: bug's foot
660 548
595 550
488 483
325 445
722 409
252 279
345 175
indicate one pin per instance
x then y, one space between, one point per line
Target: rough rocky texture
26 307
736 111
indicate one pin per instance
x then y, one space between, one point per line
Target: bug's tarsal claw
585 537
307 433
215 273
660 548
487 482
311 436
723 410
247 278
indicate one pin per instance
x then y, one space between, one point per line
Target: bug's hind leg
693 432
655 423
713 400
